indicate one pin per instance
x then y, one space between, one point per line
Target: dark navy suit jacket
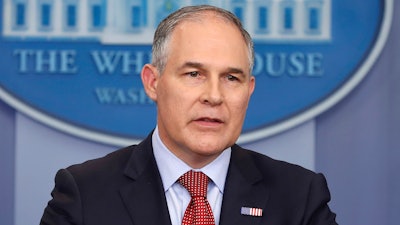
125 188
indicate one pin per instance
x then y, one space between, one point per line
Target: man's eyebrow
201 65
235 70
191 65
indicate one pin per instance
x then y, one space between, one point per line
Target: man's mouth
209 120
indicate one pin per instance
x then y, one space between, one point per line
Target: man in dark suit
200 78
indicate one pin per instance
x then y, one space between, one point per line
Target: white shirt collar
171 167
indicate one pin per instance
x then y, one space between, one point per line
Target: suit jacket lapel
242 189
144 197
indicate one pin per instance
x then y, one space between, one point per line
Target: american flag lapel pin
249 211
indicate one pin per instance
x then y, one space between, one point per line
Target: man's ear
150 78
252 84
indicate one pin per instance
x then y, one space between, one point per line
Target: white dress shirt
171 168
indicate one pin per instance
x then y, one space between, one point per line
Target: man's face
203 93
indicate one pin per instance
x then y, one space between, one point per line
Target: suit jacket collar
144 197
243 188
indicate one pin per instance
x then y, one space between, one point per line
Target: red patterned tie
198 211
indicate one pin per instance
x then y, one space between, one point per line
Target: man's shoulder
110 172
115 157
273 168
116 160
108 165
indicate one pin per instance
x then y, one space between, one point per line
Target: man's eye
193 74
232 78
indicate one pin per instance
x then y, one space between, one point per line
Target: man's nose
212 93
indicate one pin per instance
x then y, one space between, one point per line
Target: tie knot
195 182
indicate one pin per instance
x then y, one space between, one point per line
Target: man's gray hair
167 26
